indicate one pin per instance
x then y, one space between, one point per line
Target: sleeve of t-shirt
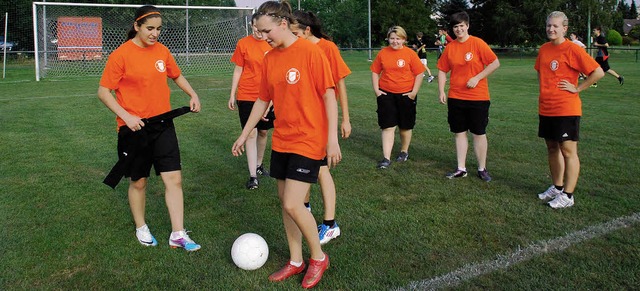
173 71
264 92
322 73
339 67
376 66
113 72
443 61
584 62
536 66
237 57
488 56
417 67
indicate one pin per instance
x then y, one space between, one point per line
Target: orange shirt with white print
295 79
397 69
139 77
554 64
465 60
339 68
249 55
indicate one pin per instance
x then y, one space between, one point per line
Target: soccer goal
75 39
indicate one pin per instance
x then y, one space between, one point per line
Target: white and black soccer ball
250 251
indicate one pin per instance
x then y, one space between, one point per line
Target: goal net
75 39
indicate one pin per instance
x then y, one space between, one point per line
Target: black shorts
559 128
604 64
396 109
293 166
468 115
244 110
161 151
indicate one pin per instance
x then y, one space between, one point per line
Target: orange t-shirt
339 68
397 68
139 78
561 62
295 79
249 55
465 60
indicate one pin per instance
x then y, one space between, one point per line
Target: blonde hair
398 30
561 15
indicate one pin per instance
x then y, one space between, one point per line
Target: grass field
63 229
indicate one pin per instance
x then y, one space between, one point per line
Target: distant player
602 56
558 64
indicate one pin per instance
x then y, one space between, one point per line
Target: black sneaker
262 171
385 163
621 80
252 183
457 174
484 175
402 157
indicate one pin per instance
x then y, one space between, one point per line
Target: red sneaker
287 271
315 271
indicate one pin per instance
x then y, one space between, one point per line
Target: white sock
480 169
295 264
462 169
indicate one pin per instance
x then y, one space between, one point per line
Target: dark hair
308 19
142 14
458 18
275 9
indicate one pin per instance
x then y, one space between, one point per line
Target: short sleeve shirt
249 55
465 60
397 69
296 79
554 64
139 77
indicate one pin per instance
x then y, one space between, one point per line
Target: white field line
94 95
468 272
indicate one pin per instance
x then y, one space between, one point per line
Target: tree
633 11
614 37
412 15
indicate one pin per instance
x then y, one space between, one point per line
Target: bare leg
174 198
137 200
297 220
405 138
328 189
262 144
569 151
388 136
556 162
252 152
481 145
462 144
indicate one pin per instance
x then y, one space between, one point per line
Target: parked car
9 44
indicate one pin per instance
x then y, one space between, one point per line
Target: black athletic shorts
293 166
468 115
559 128
396 109
161 151
244 110
604 64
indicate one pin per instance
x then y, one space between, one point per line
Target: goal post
75 39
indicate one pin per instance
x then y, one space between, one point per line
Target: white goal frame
195 52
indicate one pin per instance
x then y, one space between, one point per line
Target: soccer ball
250 251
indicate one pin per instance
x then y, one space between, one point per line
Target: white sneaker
145 237
430 79
327 233
561 201
551 193
180 239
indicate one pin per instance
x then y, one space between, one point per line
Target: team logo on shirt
293 76
401 63
160 66
468 56
554 65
